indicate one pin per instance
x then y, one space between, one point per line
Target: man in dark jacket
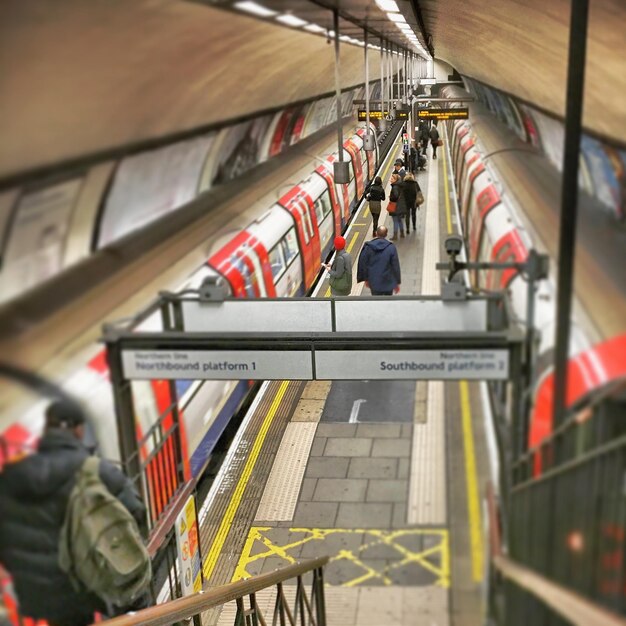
434 139
379 265
33 499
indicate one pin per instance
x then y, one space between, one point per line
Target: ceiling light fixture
291 20
396 17
314 28
256 9
387 5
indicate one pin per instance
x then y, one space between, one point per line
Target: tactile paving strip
427 487
280 497
431 281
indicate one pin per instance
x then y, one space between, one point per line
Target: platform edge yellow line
220 539
473 497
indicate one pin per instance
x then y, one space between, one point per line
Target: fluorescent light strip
387 5
396 17
291 20
314 28
256 9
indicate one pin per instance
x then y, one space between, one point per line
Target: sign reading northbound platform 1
477 364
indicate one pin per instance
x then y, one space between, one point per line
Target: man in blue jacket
379 265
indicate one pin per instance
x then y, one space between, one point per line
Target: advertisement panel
152 184
188 548
36 237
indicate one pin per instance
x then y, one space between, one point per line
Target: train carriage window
322 207
290 246
277 261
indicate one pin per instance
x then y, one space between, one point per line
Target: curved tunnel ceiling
79 77
520 46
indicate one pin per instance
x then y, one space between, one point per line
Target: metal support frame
535 268
338 85
569 201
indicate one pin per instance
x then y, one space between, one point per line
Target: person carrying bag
340 272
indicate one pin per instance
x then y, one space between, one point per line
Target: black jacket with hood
33 498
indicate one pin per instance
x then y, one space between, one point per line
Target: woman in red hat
340 272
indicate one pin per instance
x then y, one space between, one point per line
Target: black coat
410 189
33 499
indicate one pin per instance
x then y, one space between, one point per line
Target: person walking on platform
413 160
410 189
340 272
434 140
397 206
379 265
398 168
424 137
34 496
375 196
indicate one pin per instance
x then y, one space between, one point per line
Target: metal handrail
569 605
189 606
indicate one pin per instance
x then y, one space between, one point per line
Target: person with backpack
375 195
340 272
434 140
40 502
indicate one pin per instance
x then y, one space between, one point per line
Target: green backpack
100 546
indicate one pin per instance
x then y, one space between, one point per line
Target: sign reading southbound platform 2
413 365
329 365
461 113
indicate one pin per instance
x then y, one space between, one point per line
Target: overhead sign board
400 114
479 364
374 115
260 315
413 365
217 364
461 113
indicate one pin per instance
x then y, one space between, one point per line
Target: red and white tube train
272 251
494 232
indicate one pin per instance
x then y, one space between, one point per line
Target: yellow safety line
473 501
218 544
473 497
446 191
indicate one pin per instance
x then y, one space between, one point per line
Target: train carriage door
323 171
316 188
356 186
342 194
301 208
487 197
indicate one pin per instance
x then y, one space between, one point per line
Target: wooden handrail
183 608
573 607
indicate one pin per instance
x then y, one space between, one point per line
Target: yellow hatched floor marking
222 533
473 501
435 559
